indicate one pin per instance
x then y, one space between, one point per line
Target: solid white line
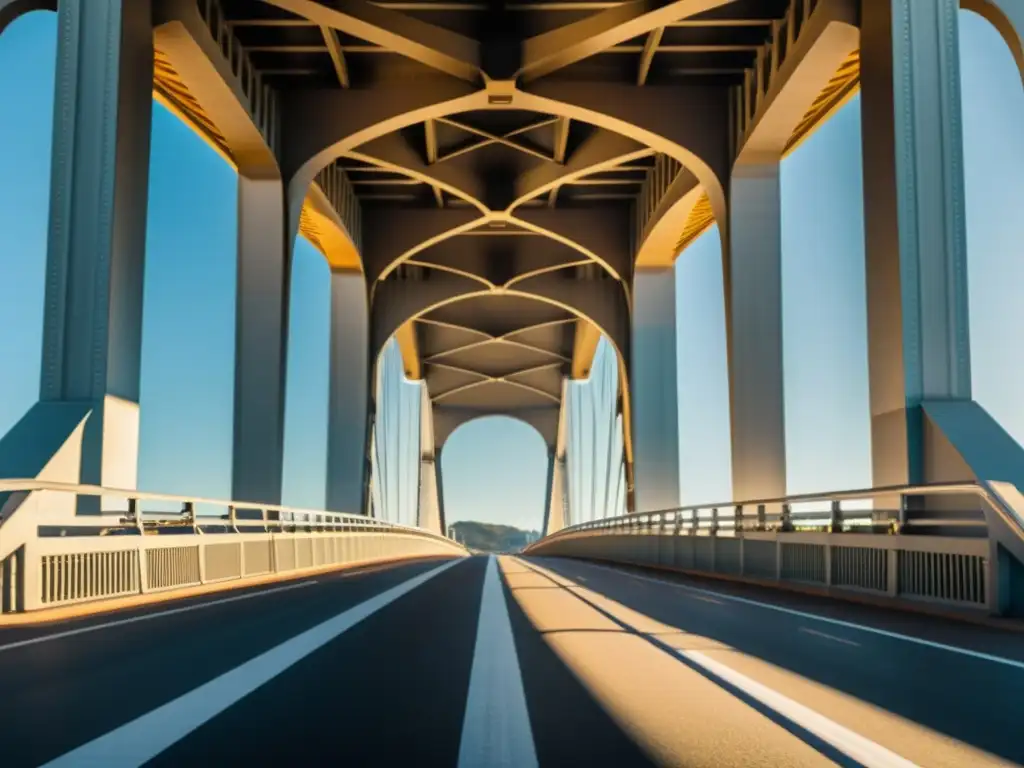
828 636
144 738
496 728
864 751
827 620
148 616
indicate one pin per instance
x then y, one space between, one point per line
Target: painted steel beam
434 46
554 50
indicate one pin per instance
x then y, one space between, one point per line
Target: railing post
233 517
28 565
892 586
786 520
762 518
901 522
133 514
713 531
188 509
143 564
836 523
737 521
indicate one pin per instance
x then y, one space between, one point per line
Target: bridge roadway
554 663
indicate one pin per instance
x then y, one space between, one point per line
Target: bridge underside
497 186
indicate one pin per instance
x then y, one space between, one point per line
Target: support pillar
757 410
556 516
654 390
439 484
429 514
261 340
348 430
916 251
85 427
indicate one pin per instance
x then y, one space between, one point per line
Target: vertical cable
611 384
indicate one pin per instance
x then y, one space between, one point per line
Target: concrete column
439 484
85 427
261 340
556 515
654 392
429 515
348 431
755 324
556 518
916 254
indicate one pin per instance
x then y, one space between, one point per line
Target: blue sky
494 468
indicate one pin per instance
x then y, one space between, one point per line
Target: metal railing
52 554
890 549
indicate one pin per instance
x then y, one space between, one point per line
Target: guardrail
50 554
889 550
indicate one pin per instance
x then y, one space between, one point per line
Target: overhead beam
647 54
430 139
554 50
337 57
428 44
601 151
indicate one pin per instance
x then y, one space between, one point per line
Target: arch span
13 9
1007 16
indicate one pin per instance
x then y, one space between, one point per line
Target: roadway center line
828 636
142 739
148 616
496 728
827 620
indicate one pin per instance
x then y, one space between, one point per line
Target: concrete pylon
429 512
915 238
654 391
85 427
754 304
556 515
348 423
925 426
265 240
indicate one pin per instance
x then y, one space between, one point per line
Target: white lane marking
829 637
148 616
827 620
142 739
704 599
496 728
864 751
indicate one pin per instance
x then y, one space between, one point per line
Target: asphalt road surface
509 662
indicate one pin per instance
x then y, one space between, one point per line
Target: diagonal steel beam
647 55
554 50
428 44
430 139
491 138
337 56
561 144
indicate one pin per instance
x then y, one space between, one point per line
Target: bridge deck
562 662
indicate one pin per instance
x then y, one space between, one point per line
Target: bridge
497 187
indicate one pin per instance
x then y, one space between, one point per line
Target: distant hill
489 537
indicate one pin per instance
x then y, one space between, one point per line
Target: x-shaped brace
492 138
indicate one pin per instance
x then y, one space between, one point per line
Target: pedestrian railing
129 542
920 543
